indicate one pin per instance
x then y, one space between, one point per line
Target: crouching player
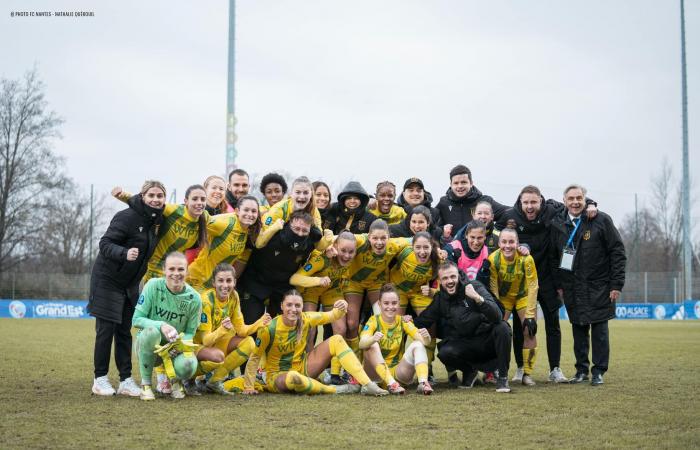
289 367
513 281
167 307
383 340
226 339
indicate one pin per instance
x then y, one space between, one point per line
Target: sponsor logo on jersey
141 299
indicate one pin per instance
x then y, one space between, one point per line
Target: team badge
203 319
308 267
182 305
361 224
277 252
141 299
268 221
587 235
140 229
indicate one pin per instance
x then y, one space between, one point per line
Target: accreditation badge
567 259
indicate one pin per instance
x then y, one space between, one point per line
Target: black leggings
106 332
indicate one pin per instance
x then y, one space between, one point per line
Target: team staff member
230 235
384 206
457 206
532 216
125 249
167 307
238 186
290 369
588 262
350 213
474 331
184 227
386 356
513 281
222 332
414 194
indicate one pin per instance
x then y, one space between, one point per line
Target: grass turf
650 399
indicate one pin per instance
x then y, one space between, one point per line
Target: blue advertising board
655 311
44 309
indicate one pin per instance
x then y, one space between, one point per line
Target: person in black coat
414 194
423 221
474 332
456 207
350 212
125 249
588 262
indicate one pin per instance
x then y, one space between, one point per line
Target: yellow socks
302 384
383 371
233 360
430 349
354 344
529 358
347 359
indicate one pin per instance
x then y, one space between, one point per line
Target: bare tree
28 167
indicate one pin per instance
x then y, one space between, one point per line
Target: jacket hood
354 188
473 195
136 203
428 201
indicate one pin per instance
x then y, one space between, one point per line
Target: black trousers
253 306
600 340
107 331
551 328
466 354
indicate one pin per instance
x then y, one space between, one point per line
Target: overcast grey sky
542 92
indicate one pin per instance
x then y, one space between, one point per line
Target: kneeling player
289 367
513 281
167 307
225 337
383 340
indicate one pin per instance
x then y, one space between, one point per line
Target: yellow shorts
328 296
418 301
518 304
359 288
221 344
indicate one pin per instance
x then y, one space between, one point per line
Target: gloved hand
531 325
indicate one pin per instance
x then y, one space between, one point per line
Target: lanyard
573 233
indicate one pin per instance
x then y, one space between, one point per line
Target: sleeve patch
268 221
141 299
365 328
203 319
307 267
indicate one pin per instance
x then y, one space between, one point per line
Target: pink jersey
468 265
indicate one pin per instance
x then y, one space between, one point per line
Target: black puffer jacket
427 202
356 220
115 280
598 267
403 229
460 316
460 211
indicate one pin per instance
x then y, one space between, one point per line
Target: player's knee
185 366
293 380
448 352
149 337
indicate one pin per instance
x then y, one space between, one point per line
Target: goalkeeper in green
167 316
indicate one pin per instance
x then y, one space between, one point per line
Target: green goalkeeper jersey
157 305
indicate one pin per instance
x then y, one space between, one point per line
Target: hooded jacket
115 280
356 220
460 211
427 202
403 229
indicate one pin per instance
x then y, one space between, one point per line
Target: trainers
102 386
336 380
371 388
489 378
528 381
129 387
424 388
556 376
147 393
597 379
163 385
325 377
177 390
453 379
580 377
347 389
191 387
396 389
468 379
502 385
218 388
518 374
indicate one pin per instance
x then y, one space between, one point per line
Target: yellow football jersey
369 268
395 215
282 210
514 280
394 340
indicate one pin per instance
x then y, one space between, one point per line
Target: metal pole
687 249
636 231
231 152
92 221
646 292
14 274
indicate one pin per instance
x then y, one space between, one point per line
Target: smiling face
389 306
216 189
418 223
378 240
196 202
385 198
154 197
531 205
224 283
476 238
508 243
352 201
300 195
238 185
483 213
346 251
175 270
300 227
414 195
247 212
273 193
449 279
460 184
323 197
575 201
292 306
422 248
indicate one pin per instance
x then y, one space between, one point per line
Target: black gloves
531 325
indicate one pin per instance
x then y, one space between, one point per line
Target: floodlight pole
231 152
687 248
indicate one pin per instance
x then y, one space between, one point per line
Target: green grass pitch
650 399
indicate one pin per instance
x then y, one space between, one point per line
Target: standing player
300 199
386 356
274 187
384 207
167 307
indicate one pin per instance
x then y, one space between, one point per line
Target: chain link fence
640 287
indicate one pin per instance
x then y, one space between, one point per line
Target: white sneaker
178 391
557 376
528 381
147 393
102 386
129 387
518 374
163 385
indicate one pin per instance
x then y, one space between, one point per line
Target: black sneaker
597 379
580 377
336 380
431 378
469 379
502 385
453 379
